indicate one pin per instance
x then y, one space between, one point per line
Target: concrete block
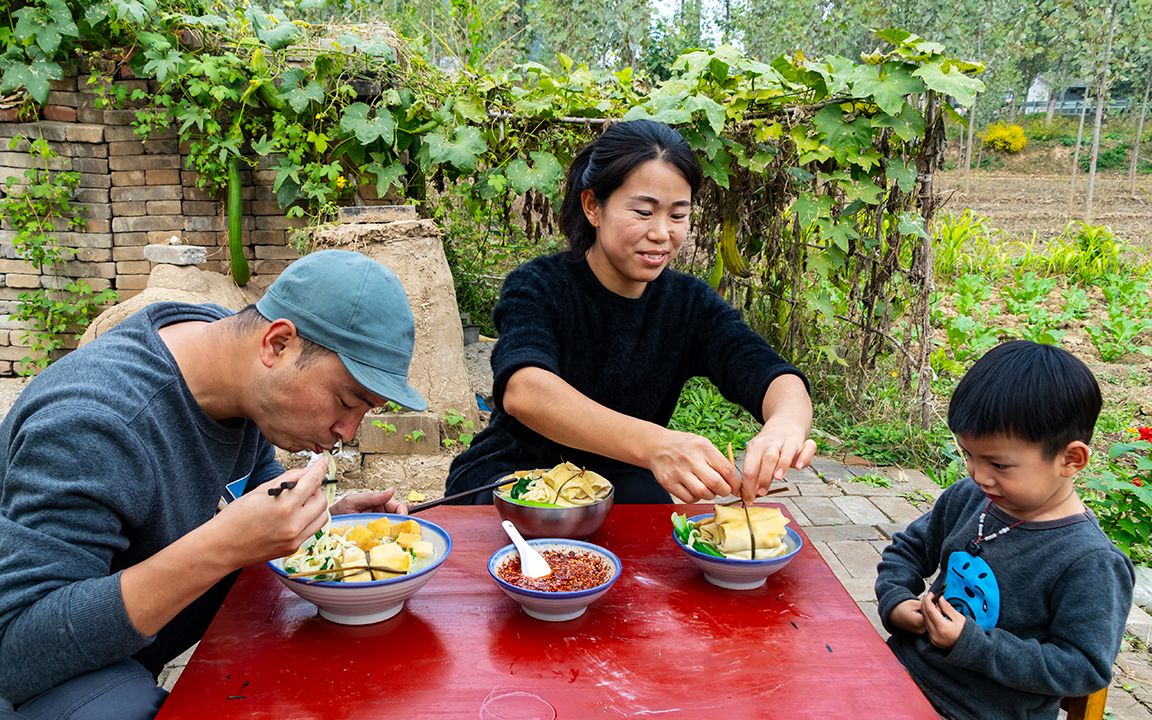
140 161
149 192
165 176
131 282
61 113
164 207
400 433
860 510
124 178
193 207
175 254
376 214
124 254
275 252
203 223
148 222
125 147
133 267
90 165
92 195
101 181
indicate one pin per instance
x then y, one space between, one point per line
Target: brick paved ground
850 520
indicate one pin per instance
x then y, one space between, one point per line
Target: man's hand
374 502
260 527
908 616
944 622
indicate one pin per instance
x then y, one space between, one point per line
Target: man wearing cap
114 550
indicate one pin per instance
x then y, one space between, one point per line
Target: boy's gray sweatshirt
1055 594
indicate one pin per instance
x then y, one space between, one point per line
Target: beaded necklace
974 547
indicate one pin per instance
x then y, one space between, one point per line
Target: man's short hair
249 319
1038 393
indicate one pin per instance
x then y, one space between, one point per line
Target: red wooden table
662 643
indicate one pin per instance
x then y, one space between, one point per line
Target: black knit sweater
631 355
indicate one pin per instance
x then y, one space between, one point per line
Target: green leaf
840 136
809 208
35 77
274 30
47 25
910 223
375 47
264 145
713 111
908 126
367 130
718 168
886 84
388 175
470 110
299 98
902 173
462 151
944 78
544 175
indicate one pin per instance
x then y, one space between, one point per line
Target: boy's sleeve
1090 608
904 564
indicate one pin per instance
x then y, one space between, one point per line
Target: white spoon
532 563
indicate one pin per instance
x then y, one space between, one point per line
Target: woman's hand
690 468
373 502
780 445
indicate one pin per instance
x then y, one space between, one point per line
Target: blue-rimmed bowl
737 574
362 603
554 606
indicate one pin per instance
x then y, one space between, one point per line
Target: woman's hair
605 164
1037 393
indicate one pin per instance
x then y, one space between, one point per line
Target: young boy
1031 598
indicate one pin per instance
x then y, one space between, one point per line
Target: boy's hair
1037 393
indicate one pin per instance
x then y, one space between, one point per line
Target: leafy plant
1120 495
875 480
415 436
1116 336
704 411
460 425
387 427
38 206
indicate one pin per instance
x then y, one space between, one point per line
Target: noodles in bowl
365 565
565 501
565 485
735 550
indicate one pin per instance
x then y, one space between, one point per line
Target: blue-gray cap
355 307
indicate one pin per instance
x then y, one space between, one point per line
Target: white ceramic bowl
554 606
361 603
741 574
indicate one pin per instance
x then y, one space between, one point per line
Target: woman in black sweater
597 343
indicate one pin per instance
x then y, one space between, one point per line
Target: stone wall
136 194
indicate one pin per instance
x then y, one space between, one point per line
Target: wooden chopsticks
345 571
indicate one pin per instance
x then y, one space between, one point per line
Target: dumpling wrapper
734 539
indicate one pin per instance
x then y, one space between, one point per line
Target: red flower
1137 482
1145 433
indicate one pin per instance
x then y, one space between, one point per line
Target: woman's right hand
690 468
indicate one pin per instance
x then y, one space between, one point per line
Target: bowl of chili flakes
581 574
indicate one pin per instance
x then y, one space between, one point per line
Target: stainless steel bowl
540 522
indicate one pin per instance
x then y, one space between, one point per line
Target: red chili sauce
572 570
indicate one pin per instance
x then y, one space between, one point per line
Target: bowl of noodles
563 502
361 568
737 548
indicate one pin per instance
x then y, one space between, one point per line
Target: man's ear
591 207
277 338
1074 458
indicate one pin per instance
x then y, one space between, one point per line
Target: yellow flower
340 181
319 116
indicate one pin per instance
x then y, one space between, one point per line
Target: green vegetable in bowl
520 487
686 532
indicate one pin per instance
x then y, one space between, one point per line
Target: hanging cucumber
235 225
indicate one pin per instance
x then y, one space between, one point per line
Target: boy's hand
944 622
907 616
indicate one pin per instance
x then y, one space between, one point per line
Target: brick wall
137 193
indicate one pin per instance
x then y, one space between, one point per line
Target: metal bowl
543 522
